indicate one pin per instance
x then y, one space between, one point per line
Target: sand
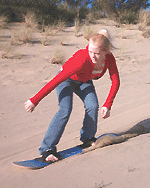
122 165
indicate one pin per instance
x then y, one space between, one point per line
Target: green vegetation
55 10
125 12
50 17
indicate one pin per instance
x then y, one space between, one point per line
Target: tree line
67 10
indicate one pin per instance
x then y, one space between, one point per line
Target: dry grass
22 35
50 30
48 33
30 20
122 50
3 22
60 25
8 56
146 33
90 19
108 22
45 40
1 35
58 57
77 27
7 50
63 39
144 18
88 31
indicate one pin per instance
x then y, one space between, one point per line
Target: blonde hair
105 33
103 38
100 40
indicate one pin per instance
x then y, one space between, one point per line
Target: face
96 53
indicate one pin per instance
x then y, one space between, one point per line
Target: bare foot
51 158
93 143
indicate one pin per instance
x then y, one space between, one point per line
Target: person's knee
65 111
92 107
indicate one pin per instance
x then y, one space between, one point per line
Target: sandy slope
117 166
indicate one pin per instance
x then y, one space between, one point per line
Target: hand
29 106
105 112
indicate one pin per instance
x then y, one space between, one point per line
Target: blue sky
149 7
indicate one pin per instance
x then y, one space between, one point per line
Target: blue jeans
65 90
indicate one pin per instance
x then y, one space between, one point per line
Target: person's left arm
114 76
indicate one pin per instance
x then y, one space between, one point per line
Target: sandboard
38 163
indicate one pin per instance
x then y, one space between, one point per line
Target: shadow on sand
143 127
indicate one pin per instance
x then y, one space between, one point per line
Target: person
76 76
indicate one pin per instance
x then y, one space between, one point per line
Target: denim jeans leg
58 123
88 96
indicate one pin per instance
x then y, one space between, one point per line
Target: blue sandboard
38 163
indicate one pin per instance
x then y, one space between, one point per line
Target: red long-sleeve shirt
80 67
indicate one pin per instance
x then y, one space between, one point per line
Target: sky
149 7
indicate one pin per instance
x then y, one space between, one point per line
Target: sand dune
123 164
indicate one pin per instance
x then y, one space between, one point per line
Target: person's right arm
73 65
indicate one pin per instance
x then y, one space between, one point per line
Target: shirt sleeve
114 76
73 65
